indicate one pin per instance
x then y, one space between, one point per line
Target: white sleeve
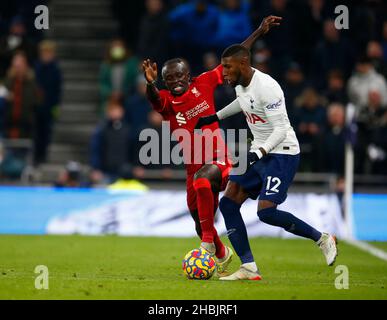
229 110
279 132
276 115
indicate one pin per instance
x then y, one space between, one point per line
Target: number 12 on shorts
272 185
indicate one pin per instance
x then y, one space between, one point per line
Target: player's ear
244 61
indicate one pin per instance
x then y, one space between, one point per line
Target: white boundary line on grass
368 248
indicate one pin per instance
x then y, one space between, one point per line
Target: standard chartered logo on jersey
182 118
159 147
197 110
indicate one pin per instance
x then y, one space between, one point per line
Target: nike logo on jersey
180 119
177 102
270 193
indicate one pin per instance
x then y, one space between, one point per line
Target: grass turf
112 267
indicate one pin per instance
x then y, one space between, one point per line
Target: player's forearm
278 135
231 109
152 92
248 43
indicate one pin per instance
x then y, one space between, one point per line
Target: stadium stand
320 70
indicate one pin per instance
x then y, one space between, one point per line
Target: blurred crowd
320 68
30 87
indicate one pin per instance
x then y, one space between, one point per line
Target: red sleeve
162 104
213 77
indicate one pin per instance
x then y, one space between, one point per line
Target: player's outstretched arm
150 74
266 24
229 110
205 121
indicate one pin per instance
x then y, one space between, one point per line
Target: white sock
250 266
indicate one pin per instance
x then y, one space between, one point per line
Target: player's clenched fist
150 70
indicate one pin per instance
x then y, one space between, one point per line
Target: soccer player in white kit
272 161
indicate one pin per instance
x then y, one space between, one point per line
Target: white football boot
209 247
327 244
223 263
244 273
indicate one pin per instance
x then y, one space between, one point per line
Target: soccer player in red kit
182 104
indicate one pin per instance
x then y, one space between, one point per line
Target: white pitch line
369 248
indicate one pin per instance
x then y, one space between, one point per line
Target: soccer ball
198 264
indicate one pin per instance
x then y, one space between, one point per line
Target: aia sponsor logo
253 118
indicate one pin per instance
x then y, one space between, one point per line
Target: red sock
206 208
220 249
205 203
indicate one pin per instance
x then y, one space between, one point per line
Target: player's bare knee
212 174
264 204
235 193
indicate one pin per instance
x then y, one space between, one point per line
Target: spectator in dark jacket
375 54
49 78
333 52
293 85
336 91
309 126
23 99
153 35
137 109
371 148
72 176
110 145
15 41
193 29
333 146
279 40
234 23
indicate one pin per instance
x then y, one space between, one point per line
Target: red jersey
184 111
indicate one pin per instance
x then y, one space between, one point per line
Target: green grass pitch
111 267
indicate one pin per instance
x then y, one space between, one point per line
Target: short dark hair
176 60
236 50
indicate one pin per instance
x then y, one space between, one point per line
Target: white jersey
263 104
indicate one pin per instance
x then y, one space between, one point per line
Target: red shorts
225 169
